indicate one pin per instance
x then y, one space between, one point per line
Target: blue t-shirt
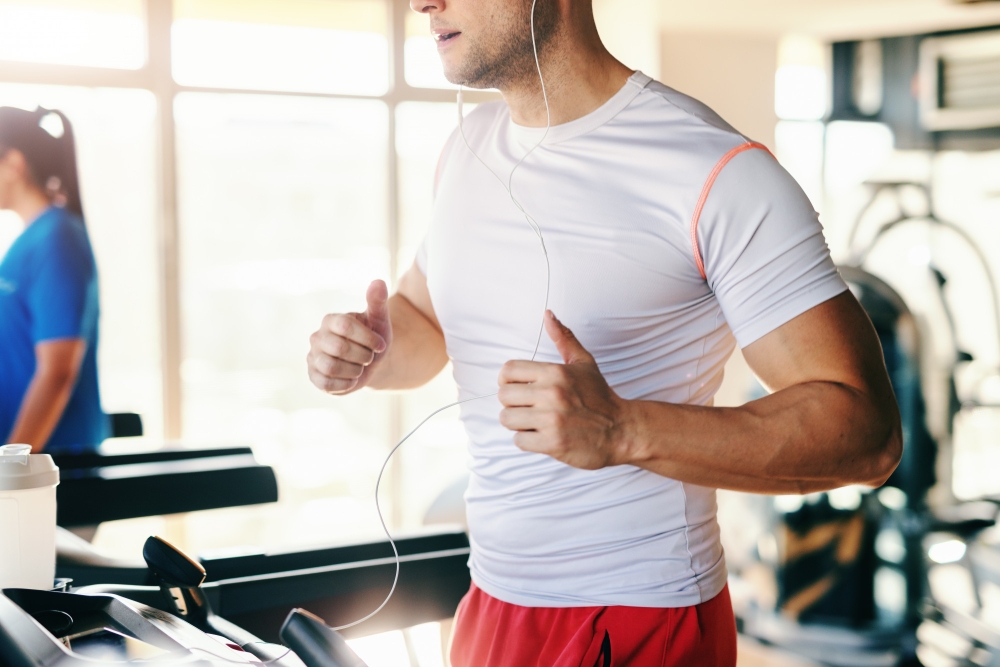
48 291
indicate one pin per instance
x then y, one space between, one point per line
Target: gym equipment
194 611
125 425
340 583
316 643
98 487
828 561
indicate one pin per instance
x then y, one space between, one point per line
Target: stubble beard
505 56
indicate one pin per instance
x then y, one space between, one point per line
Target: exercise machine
235 610
827 559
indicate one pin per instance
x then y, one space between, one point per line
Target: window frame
156 76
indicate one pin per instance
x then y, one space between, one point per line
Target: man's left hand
566 411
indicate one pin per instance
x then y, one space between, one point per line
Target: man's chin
459 79
460 76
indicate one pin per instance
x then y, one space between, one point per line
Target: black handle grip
125 425
316 643
173 566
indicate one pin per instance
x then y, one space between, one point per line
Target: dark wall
900 108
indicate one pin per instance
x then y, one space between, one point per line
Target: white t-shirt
619 195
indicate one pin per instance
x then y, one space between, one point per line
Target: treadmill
236 610
175 609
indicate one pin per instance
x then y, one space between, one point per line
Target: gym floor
754 654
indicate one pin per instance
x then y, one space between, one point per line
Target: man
671 237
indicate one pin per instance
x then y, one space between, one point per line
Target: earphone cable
507 186
534 226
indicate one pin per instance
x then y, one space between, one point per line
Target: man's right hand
348 346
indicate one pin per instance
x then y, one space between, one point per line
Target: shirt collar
530 135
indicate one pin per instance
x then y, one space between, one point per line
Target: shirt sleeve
765 255
62 292
421 259
449 146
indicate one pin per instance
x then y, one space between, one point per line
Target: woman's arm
57 364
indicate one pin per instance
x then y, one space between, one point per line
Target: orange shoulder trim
720 165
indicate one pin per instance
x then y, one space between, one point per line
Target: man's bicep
832 342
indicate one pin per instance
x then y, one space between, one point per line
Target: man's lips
443 35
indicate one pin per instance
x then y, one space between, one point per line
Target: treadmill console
69 629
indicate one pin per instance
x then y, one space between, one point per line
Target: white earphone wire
548 280
508 186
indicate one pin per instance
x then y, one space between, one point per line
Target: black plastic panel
429 589
95 488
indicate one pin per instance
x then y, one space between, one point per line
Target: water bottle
27 518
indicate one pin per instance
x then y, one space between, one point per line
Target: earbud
459 102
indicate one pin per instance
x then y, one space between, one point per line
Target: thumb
378 308
569 347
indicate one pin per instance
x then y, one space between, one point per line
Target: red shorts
491 633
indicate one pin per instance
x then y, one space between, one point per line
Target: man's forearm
42 406
417 353
809 437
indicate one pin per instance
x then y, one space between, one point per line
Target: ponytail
51 159
68 175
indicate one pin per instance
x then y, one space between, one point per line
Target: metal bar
68 462
397 34
157 77
97 77
159 17
147 78
255 564
338 567
401 93
71 75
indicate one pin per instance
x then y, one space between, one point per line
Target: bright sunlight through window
74 32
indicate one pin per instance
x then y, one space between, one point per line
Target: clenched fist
348 346
566 411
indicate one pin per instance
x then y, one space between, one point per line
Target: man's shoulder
678 107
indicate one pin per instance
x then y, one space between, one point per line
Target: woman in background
48 293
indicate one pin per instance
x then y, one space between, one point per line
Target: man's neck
578 80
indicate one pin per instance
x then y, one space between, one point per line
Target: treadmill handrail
375 562
247 564
172 467
97 459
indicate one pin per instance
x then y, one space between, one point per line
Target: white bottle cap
20 469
